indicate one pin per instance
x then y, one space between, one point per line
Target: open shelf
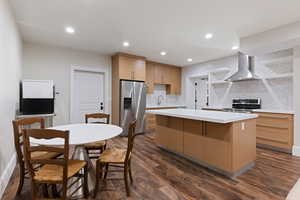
276 61
287 75
219 82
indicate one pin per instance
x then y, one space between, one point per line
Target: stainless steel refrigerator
133 105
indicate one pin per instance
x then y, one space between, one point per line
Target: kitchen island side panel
228 147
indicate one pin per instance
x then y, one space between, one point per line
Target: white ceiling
175 26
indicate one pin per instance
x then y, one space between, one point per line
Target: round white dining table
80 134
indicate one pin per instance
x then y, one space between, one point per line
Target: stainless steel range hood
245 69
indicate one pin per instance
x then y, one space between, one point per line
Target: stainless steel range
244 105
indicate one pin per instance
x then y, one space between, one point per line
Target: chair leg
130 172
106 170
22 177
45 190
85 182
98 176
55 193
126 180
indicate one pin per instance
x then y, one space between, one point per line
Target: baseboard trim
296 150
5 177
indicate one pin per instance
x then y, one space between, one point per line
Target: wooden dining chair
18 126
98 146
54 170
116 158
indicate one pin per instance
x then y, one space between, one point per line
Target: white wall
54 63
296 149
10 73
275 94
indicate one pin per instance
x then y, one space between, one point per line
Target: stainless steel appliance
245 69
244 105
133 105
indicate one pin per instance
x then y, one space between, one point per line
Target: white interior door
200 93
88 94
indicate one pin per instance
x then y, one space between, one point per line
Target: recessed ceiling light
126 44
235 47
70 30
209 35
189 59
163 53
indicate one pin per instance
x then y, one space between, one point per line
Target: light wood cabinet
170 133
157 73
175 80
275 131
130 67
228 147
150 67
151 120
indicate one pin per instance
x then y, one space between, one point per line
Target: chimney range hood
245 69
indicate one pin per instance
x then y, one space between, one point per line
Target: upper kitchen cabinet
150 76
129 67
168 75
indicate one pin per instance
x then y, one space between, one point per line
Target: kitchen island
222 141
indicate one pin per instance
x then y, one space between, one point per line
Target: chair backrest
18 126
97 116
131 136
46 134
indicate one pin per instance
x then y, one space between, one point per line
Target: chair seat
95 145
54 173
44 155
113 156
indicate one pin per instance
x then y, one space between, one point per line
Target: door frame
75 68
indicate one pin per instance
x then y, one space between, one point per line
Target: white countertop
274 111
260 110
203 115
166 106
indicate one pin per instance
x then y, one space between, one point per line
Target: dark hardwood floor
160 175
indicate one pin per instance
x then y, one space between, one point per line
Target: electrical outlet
243 125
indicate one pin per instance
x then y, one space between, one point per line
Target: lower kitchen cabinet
150 118
227 147
275 131
170 133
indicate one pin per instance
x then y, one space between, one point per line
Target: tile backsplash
160 91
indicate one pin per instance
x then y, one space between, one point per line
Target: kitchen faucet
159 99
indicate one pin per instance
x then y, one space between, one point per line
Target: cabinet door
150 77
169 133
126 67
158 74
178 80
193 140
167 74
139 70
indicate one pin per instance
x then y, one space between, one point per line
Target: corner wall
296 65
10 74
42 62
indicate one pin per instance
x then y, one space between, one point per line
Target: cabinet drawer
273 134
275 130
273 120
